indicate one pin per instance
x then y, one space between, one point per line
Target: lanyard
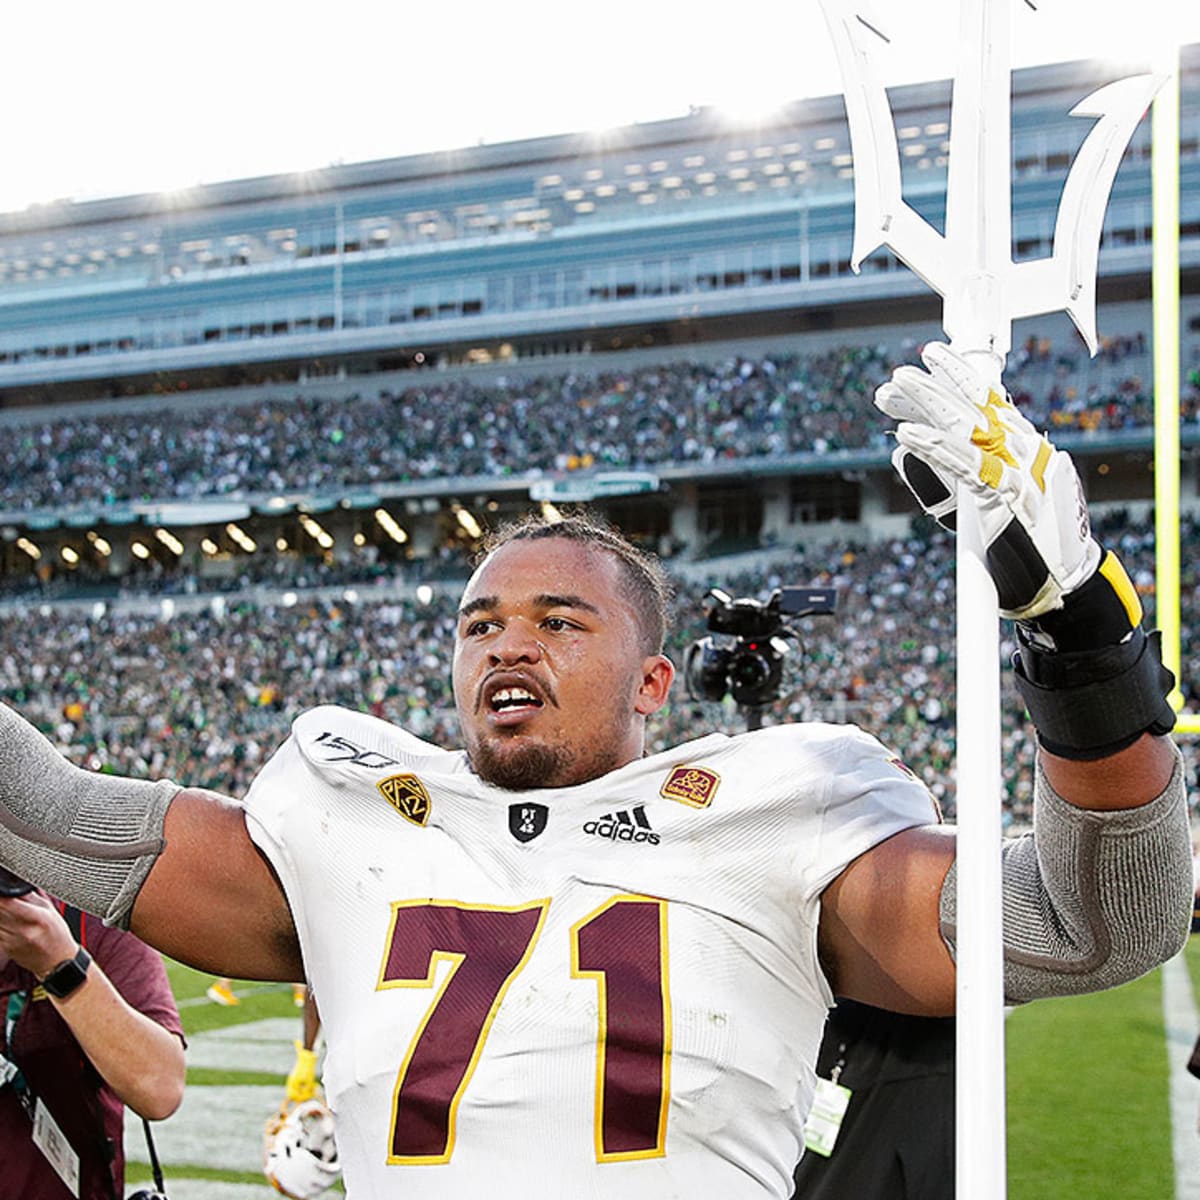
9 1071
39 1113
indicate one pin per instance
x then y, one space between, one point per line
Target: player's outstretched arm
1101 892
211 900
104 843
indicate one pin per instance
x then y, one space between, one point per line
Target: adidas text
622 826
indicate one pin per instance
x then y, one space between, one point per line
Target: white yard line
1182 1023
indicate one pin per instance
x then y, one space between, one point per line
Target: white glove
955 428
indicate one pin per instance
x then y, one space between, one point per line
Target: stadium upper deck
669 231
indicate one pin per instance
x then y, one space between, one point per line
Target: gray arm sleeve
87 838
1091 899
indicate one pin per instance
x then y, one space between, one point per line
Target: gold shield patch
407 795
695 786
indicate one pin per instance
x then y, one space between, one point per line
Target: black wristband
1090 704
1095 614
68 975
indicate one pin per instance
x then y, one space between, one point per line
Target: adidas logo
624 825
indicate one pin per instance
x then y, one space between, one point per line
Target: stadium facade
691 240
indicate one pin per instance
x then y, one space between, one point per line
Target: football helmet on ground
300 1154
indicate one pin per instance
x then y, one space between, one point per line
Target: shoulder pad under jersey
347 747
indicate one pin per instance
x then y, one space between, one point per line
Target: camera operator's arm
1102 892
141 1061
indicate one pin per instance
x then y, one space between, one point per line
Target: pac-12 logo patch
527 819
691 785
407 795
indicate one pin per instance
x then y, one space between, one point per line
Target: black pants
897 1139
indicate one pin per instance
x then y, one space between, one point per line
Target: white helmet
301 1157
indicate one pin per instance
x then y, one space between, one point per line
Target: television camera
750 667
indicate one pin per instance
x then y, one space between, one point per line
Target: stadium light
70 556
467 521
99 544
316 531
391 526
139 550
241 538
169 540
23 543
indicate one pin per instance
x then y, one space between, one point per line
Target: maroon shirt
58 1071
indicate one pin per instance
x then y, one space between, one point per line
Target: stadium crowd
681 412
205 694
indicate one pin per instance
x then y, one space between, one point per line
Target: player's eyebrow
542 600
478 603
550 600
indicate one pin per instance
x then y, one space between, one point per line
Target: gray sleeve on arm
87 838
1091 899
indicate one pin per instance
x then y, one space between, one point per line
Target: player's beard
521 765
518 761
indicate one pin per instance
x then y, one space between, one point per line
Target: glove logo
1085 522
992 442
956 428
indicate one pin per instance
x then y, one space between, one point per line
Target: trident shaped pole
983 292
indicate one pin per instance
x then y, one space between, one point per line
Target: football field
1099 1106
1090 1092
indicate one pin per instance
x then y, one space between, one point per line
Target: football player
549 965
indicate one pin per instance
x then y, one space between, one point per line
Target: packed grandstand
212 537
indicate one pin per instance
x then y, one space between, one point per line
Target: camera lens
754 674
705 670
13 885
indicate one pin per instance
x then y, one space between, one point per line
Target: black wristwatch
67 976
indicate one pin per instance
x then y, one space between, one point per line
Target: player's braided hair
644 582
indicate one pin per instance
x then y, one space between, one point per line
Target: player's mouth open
512 704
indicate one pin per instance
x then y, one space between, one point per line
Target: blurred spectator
678 412
117 691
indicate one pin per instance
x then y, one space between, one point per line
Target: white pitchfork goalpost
983 292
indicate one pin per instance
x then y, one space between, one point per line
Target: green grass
140 1173
1088 1106
1191 956
230 1076
258 1001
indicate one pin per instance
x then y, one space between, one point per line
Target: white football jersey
608 990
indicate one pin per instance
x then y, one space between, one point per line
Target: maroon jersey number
622 946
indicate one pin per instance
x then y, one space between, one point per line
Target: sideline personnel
90 1025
